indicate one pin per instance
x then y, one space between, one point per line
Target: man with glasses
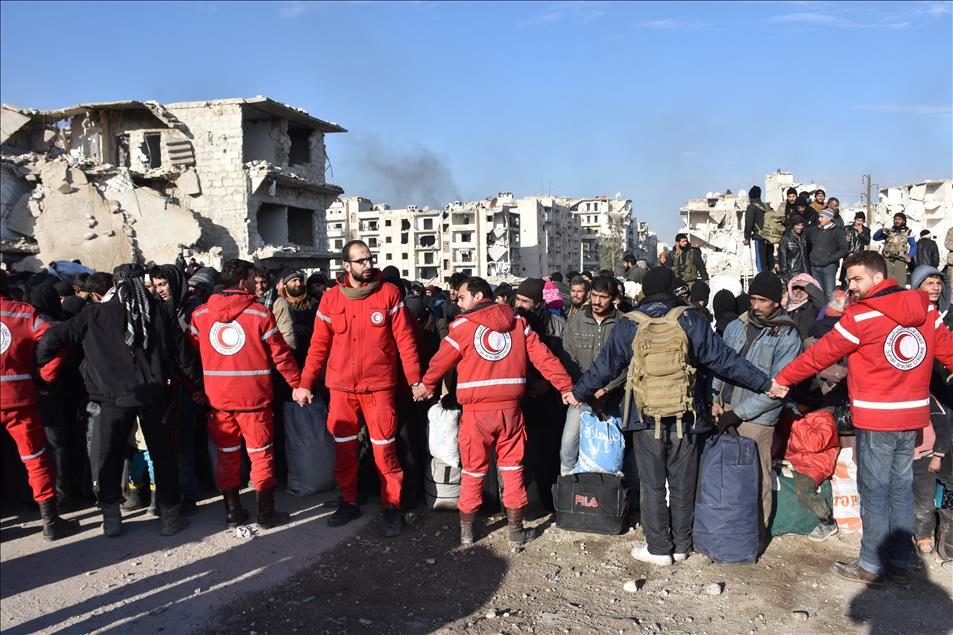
360 327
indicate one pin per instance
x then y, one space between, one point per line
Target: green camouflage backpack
660 375
896 245
773 227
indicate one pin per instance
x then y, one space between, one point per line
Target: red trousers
501 429
227 428
380 414
25 427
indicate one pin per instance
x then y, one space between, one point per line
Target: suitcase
591 502
442 486
727 508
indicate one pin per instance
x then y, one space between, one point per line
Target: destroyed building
926 204
106 183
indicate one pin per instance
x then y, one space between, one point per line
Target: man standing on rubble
360 326
489 345
686 261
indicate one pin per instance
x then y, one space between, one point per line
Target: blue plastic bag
601 445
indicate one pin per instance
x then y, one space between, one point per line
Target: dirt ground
566 582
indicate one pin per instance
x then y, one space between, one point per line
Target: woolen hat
791 190
767 285
796 219
827 213
700 291
925 232
289 274
658 280
754 192
531 288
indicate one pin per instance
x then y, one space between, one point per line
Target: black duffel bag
591 502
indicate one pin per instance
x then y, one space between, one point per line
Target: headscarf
178 287
800 280
131 289
46 300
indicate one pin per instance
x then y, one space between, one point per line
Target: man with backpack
769 339
687 261
664 345
764 226
890 338
899 247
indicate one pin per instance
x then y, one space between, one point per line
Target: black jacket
111 370
754 220
856 242
793 254
927 253
828 246
679 265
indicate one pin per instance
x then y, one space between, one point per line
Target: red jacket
359 340
813 445
890 339
489 346
20 331
239 342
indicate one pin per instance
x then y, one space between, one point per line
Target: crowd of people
114 383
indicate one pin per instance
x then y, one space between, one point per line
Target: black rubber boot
516 535
135 499
345 513
112 519
172 520
55 527
466 528
154 503
235 514
392 522
268 516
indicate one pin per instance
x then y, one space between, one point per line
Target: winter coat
882 234
813 445
890 339
828 246
706 351
927 253
282 312
21 329
584 338
239 342
489 346
856 241
689 265
771 350
793 254
359 340
113 371
754 220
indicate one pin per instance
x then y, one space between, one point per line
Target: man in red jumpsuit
489 346
239 342
20 331
359 328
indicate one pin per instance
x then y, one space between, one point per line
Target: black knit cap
658 280
791 190
754 192
700 291
531 288
767 285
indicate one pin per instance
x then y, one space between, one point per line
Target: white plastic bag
309 448
844 489
442 434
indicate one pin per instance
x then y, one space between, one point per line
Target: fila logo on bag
587 501
6 338
491 345
227 338
905 348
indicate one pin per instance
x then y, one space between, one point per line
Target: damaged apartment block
131 181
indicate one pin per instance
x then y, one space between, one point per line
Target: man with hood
239 341
698 297
21 329
723 306
890 337
360 327
672 457
899 247
490 345
769 339
131 347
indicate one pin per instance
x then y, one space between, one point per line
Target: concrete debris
715 588
208 179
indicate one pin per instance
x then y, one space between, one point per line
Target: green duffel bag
788 516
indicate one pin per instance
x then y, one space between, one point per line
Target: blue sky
659 101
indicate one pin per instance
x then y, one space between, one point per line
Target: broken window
404 238
301 226
300 152
404 224
152 146
122 150
273 223
427 241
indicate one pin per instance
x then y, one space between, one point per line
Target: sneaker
925 546
681 557
898 575
345 513
391 522
823 531
641 553
855 573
